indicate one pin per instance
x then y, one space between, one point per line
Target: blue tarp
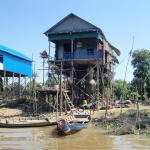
119 102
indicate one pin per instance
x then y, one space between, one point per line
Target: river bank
129 121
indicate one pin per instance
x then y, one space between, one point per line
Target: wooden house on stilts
84 59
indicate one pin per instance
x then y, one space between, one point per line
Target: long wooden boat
26 123
64 127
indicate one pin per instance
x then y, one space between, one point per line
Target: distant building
14 63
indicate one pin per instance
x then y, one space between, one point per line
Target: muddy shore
114 121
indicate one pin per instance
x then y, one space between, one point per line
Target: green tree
141 64
121 91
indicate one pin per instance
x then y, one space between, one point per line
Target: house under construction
84 61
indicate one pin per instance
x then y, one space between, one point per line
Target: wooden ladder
69 102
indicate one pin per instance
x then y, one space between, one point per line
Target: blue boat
64 127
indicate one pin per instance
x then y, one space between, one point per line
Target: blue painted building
78 40
15 62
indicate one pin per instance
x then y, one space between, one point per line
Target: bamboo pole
57 105
61 95
138 115
19 83
43 72
97 83
72 72
13 85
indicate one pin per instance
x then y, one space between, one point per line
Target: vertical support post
49 51
13 84
19 85
25 93
43 71
98 75
97 83
61 95
4 79
57 105
102 71
30 88
65 87
1 84
4 85
72 73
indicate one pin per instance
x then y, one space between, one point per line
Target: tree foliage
141 64
126 92
121 91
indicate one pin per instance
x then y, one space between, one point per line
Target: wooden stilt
4 85
57 105
43 72
61 86
25 88
72 73
30 88
49 63
19 85
97 83
97 76
13 85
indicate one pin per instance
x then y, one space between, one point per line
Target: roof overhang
115 49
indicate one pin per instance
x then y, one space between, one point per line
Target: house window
67 47
90 52
79 45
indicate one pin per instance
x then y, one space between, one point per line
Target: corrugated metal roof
92 29
14 52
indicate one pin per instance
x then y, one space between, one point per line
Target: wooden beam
61 95
98 82
73 36
72 74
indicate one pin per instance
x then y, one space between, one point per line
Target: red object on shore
94 108
101 48
109 107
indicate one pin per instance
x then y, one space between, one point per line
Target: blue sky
22 23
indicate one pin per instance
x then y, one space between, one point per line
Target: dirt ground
8 112
117 111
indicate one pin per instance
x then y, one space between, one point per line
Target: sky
23 22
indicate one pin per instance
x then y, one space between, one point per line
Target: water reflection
45 138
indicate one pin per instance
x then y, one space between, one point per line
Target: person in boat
64 126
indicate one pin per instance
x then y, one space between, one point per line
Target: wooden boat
64 127
25 123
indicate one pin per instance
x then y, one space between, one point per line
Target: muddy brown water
45 138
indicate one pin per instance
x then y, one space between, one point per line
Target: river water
45 138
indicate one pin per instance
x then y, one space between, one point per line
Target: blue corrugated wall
16 64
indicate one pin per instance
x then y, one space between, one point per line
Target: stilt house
84 57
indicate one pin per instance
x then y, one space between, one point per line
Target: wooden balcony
83 54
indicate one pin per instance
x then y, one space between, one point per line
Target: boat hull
71 128
26 124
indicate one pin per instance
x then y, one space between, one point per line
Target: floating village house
13 66
84 58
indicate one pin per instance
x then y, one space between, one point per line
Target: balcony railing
83 54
